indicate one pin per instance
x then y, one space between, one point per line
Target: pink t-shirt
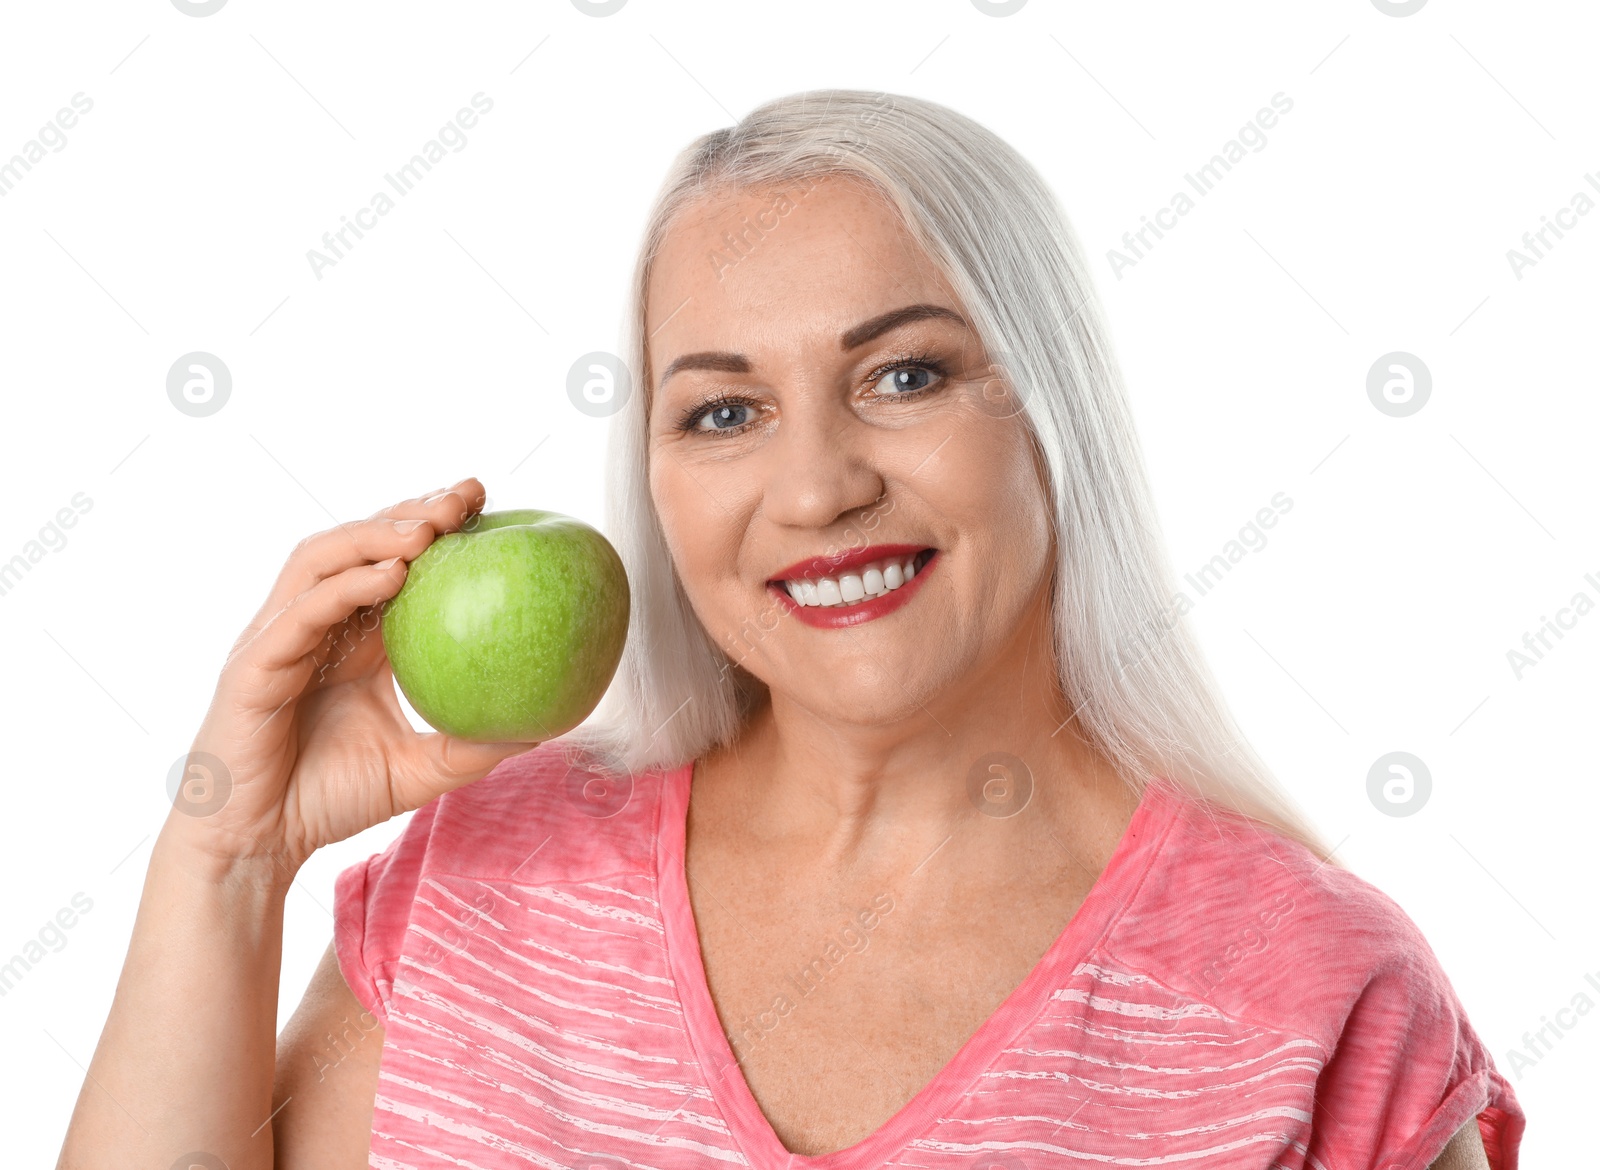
1220 999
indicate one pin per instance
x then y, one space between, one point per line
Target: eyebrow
852 338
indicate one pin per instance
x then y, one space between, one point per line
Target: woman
912 832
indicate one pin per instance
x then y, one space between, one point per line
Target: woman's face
784 430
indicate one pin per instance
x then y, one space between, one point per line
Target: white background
1418 550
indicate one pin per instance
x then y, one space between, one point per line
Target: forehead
740 267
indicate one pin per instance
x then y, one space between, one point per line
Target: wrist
200 854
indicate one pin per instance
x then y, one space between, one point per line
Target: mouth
856 585
863 592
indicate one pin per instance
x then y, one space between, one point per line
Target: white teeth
875 580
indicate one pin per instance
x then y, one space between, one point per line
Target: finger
351 647
329 553
448 511
325 555
434 763
470 495
301 627
380 536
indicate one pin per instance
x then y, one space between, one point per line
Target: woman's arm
1465 1151
184 1064
304 744
327 1077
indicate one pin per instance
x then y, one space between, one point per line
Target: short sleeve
1408 1071
372 902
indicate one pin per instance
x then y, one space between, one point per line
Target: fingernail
437 496
403 527
388 564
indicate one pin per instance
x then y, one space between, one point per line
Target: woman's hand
304 743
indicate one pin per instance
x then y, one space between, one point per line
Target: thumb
471 760
445 762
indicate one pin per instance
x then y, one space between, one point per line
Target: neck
1002 744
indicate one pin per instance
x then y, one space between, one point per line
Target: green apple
511 628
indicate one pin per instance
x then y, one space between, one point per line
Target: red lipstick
844 561
834 617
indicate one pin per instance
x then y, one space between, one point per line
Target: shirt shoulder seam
1108 947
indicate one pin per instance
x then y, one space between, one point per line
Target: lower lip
834 617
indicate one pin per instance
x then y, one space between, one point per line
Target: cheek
677 520
990 482
700 535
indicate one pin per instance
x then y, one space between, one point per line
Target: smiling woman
886 524
938 274
887 531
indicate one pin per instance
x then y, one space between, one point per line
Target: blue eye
724 414
730 415
900 375
722 417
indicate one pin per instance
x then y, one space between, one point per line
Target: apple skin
510 629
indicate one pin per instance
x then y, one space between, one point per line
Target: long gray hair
1129 665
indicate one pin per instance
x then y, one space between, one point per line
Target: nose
821 467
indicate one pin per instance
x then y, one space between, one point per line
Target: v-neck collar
731 1092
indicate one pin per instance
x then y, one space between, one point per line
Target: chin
867 705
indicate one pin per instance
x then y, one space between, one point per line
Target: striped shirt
1220 999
